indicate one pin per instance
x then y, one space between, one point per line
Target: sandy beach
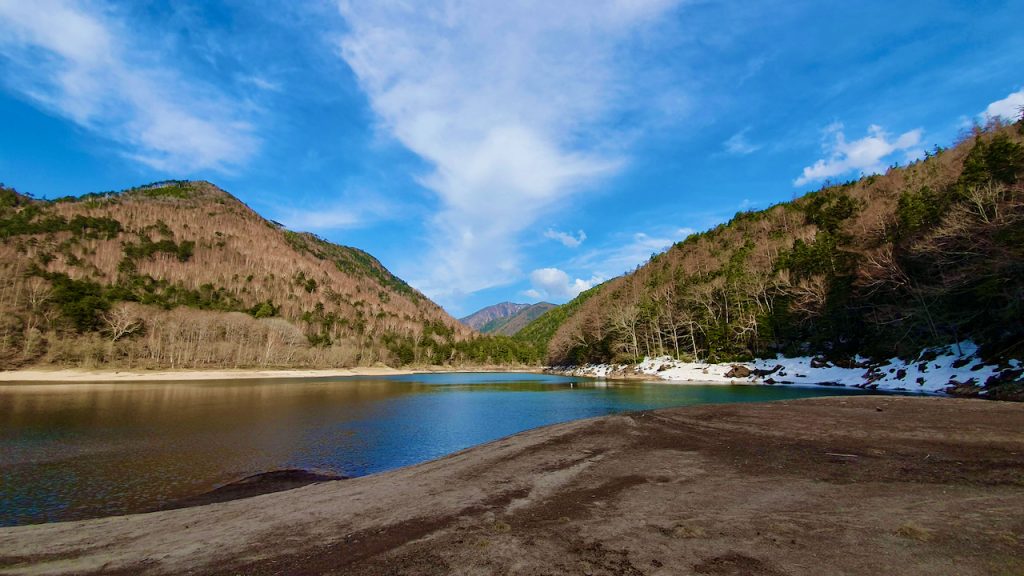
70 375
852 485
82 375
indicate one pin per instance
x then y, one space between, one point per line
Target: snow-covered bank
935 370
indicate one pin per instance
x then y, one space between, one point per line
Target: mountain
182 274
510 325
930 253
477 320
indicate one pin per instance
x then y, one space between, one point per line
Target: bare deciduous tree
121 322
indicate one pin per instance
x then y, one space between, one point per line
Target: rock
873 375
848 363
819 363
763 373
738 371
961 362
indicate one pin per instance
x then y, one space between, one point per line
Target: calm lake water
80 451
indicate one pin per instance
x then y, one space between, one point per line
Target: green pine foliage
28 219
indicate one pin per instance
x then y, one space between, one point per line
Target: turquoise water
81 451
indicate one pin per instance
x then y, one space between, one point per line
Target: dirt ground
843 485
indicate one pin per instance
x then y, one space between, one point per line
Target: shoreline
955 369
761 488
110 375
105 375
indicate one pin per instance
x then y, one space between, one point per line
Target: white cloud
82 64
507 102
555 284
354 210
1008 108
867 155
566 238
622 257
261 83
738 144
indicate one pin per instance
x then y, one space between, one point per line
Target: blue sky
490 151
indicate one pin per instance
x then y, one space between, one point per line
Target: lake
88 450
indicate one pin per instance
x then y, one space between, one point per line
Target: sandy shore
846 485
82 375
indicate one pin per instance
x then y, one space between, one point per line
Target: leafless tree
121 322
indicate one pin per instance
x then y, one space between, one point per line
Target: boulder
738 371
762 373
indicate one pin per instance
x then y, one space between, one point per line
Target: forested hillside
182 274
931 253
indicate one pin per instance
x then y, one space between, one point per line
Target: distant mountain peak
505 318
481 317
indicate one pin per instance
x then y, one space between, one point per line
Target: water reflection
84 450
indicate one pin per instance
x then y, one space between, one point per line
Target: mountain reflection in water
70 451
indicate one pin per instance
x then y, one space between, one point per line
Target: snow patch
935 370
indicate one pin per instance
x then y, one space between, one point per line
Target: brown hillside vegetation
182 274
931 253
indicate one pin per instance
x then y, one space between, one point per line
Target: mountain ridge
177 273
886 265
481 317
511 325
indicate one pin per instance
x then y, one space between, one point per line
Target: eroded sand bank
851 485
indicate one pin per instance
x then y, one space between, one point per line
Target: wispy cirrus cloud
568 239
79 61
739 145
354 209
625 255
509 106
867 155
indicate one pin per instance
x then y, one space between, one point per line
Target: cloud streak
80 62
867 155
567 239
507 103
356 209
623 257
739 145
